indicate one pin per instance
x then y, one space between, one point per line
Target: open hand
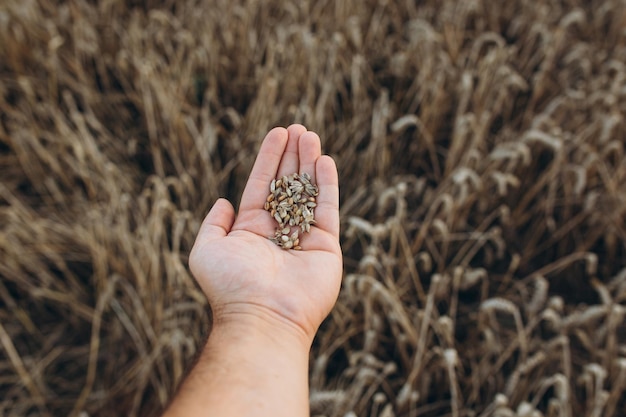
245 275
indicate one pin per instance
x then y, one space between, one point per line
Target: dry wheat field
481 154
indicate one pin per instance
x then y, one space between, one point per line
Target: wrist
259 324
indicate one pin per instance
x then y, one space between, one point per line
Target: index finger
264 169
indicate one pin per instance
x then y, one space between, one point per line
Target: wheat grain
291 202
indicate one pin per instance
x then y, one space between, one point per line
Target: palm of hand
242 272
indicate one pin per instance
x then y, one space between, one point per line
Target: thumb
217 223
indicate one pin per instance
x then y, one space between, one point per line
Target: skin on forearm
249 366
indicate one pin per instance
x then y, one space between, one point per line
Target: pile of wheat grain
483 187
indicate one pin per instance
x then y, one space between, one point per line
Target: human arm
267 302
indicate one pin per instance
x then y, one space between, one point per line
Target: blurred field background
480 146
